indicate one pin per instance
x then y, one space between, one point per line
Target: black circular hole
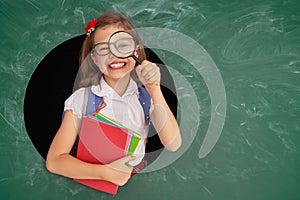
52 83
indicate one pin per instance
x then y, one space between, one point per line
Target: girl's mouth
118 65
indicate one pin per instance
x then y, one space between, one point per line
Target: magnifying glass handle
136 59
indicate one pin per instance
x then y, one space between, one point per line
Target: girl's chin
117 73
109 78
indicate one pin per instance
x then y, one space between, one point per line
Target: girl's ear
136 53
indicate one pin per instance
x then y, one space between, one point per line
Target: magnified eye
125 45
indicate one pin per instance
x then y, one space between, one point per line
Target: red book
101 143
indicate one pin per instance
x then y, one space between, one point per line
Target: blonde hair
89 72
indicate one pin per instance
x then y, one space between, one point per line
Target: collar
103 89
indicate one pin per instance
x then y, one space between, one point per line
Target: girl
119 93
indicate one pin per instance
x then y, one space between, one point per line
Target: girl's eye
103 49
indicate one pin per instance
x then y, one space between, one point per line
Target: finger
142 65
149 69
139 68
122 164
145 62
127 159
153 79
140 76
149 74
130 169
152 76
146 72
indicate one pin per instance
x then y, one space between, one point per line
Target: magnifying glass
122 44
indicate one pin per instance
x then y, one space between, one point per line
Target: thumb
127 159
138 69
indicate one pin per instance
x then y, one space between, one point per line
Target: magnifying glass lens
123 45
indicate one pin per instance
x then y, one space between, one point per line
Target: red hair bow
90 27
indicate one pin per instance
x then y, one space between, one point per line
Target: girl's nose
111 56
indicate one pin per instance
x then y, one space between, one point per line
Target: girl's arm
59 161
162 117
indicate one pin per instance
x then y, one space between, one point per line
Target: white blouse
125 109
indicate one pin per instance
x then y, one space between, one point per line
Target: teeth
117 65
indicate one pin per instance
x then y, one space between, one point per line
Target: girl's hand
149 75
120 170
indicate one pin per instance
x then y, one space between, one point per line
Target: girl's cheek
131 62
102 67
101 64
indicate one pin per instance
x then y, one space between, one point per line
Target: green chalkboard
243 82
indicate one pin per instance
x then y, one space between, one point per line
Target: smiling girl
115 80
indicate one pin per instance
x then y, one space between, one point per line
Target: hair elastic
90 27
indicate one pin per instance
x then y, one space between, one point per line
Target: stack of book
102 141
